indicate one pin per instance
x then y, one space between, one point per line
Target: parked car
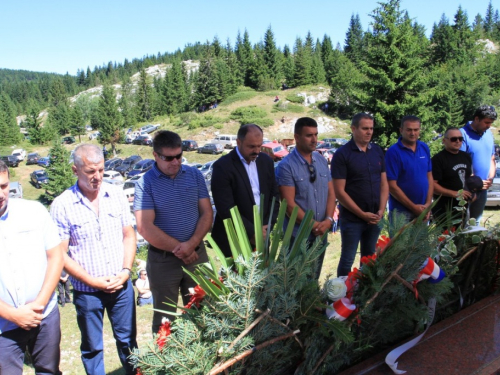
94 135
493 195
128 164
10 160
19 153
112 164
33 158
38 178
141 167
144 140
196 165
68 140
44 162
149 128
275 150
226 140
189 145
15 190
112 175
207 169
211 148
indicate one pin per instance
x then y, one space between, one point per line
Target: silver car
15 190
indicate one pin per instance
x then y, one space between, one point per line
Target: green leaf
476 239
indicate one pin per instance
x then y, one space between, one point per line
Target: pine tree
245 56
126 104
489 22
464 47
441 41
174 90
206 87
144 99
9 129
77 124
394 68
288 66
272 58
60 174
59 117
107 119
317 68
353 47
303 64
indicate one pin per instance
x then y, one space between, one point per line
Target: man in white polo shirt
31 262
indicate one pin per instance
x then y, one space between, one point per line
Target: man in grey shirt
304 180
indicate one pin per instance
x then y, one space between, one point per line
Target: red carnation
197 296
382 243
163 333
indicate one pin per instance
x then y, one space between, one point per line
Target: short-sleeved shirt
450 171
410 170
174 200
95 241
481 148
361 171
26 233
293 171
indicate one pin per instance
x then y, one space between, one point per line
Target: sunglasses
144 274
456 139
312 172
169 158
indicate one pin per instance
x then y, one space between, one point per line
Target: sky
63 36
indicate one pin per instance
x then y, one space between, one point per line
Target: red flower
138 372
196 297
352 281
369 259
382 243
163 333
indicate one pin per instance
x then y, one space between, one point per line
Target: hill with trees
390 68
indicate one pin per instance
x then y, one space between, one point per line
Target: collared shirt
253 175
95 241
174 200
481 148
409 168
361 171
293 171
26 233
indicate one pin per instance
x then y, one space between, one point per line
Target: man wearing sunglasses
304 180
479 143
450 169
173 212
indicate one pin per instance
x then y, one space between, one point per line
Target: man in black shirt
450 168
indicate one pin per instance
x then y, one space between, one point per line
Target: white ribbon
392 357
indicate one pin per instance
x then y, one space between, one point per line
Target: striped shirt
26 233
95 241
174 200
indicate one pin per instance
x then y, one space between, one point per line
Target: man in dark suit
238 179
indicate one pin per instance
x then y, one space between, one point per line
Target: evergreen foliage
59 171
107 119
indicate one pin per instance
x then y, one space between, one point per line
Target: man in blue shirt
479 143
360 182
173 213
304 180
409 171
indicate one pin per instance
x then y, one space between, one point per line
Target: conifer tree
245 56
441 41
59 171
206 89
288 66
77 123
353 47
9 129
144 99
174 90
126 104
272 58
394 68
464 47
59 117
317 68
232 65
489 22
107 119
303 64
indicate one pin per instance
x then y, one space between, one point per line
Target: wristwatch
127 270
330 218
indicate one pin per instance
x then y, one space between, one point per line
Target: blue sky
64 36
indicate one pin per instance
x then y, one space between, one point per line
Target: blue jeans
41 342
145 301
120 307
476 208
353 233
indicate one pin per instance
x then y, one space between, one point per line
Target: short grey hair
92 153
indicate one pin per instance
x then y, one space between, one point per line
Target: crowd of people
89 235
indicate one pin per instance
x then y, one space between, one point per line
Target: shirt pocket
301 183
114 221
81 231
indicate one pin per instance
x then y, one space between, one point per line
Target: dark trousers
120 307
166 277
63 292
41 342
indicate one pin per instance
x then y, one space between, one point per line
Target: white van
226 140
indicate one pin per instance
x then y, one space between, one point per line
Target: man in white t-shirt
142 284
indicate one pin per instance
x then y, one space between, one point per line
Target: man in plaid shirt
95 227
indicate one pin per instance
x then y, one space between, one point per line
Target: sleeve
143 199
391 164
464 146
50 230
284 175
202 185
429 164
382 160
59 217
339 166
437 173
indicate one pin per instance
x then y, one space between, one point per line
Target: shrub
287 107
263 122
239 96
248 112
295 99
